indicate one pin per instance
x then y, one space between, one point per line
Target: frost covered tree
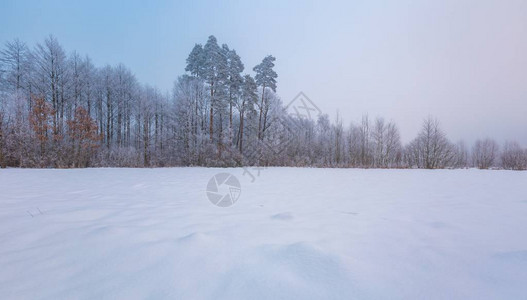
3 163
366 157
17 135
196 61
234 82
214 73
265 78
15 62
484 153
431 149
51 76
461 159
338 133
82 131
513 157
246 104
59 110
324 146
187 117
40 123
386 144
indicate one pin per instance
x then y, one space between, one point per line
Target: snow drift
293 233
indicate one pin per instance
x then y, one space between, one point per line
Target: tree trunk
220 137
241 131
145 142
2 158
211 125
260 120
230 118
108 117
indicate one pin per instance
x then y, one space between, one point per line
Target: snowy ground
293 234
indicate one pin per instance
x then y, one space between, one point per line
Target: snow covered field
293 234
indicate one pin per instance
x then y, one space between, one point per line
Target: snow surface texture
293 234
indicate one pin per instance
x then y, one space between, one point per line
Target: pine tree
246 103
214 73
196 61
234 81
266 78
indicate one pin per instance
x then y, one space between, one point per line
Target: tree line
59 110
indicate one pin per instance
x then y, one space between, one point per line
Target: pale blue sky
462 61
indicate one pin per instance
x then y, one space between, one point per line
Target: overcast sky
464 62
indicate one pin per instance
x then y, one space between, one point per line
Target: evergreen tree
234 81
266 78
196 61
246 103
214 73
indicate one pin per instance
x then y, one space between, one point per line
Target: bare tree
484 153
461 155
366 157
431 149
51 71
338 130
15 61
378 139
386 144
513 157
